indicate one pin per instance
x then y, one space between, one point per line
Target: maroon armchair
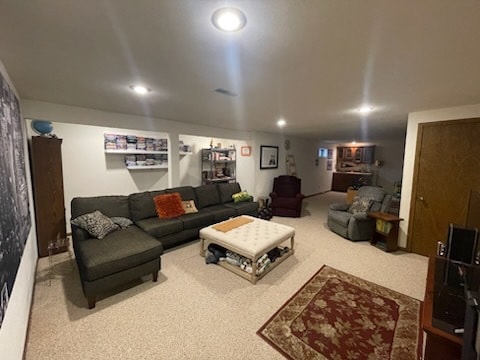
287 196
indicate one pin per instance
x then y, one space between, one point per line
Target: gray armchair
358 226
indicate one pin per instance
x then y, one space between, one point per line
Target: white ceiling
311 62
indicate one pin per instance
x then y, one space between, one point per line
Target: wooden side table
385 233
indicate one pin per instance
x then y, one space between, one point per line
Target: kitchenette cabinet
368 154
359 155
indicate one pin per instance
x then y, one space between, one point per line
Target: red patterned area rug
336 316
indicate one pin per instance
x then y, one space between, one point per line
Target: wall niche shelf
133 152
224 179
147 167
141 153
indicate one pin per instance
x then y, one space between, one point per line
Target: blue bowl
42 127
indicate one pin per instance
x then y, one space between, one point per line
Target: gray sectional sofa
129 253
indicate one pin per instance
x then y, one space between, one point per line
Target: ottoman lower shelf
251 240
249 276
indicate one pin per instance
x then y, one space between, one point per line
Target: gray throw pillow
360 205
123 222
96 223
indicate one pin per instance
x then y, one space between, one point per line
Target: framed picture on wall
246 150
329 164
268 157
15 222
330 154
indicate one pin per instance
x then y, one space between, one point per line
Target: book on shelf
121 142
130 160
383 226
141 143
149 144
134 143
131 142
146 160
110 141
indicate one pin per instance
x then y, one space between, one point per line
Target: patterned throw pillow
241 196
123 222
96 223
189 207
168 205
360 204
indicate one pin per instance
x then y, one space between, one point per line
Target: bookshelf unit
218 165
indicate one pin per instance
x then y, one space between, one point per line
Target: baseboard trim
320 193
27 332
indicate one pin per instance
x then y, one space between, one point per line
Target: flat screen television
462 244
461 252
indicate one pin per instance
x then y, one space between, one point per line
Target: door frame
413 197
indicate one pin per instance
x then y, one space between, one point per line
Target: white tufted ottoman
250 240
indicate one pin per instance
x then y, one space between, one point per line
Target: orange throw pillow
168 205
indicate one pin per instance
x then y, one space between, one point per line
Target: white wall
306 152
188 169
454 113
14 327
89 171
190 166
390 152
315 179
77 115
264 183
324 176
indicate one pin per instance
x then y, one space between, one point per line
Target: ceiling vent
225 92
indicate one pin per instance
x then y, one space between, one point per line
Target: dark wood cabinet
368 154
340 153
47 180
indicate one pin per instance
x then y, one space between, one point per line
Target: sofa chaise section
121 256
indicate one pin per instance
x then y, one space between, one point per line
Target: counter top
342 180
353 172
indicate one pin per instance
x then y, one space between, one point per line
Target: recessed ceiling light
281 123
140 89
365 109
229 19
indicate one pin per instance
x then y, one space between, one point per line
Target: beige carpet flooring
199 311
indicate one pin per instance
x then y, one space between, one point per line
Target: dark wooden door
47 176
447 169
